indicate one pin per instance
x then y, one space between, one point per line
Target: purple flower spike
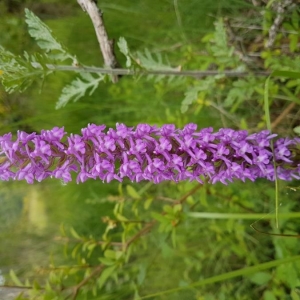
148 153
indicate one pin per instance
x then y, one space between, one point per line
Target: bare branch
280 9
106 45
94 273
283 115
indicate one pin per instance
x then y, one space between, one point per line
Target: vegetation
146 241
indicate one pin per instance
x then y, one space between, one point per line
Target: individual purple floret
148 153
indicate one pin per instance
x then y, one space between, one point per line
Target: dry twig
106 45
283 115
280 9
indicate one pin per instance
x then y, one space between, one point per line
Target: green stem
119 71
233 216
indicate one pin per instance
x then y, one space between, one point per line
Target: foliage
78 88
154 243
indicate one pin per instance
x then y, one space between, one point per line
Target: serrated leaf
242 90
78 88
20 72
43 35
156 62
151 61
220 49
106 273
191 95
123 46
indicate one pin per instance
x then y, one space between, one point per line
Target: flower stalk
148 153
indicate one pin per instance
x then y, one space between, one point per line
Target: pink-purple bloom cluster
148 153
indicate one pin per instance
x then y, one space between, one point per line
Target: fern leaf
78 88
43 35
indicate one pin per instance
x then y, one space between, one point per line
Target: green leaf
297 130
142 273
147 203
121 217
268 295
260 278
220 50
132 192
159 217
156 62
106 273
43 35
191 95
75 234
107 261
123 46
295 295
288 274
242 90
18 73
14 278
110 254
177 208
168 209
151 61
78 88
287 74
75 250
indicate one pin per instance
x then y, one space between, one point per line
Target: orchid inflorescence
148 153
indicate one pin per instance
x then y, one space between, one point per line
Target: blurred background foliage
132 241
